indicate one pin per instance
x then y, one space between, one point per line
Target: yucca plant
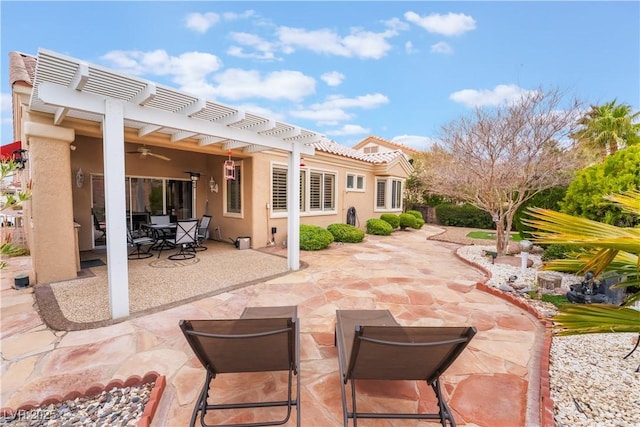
602 249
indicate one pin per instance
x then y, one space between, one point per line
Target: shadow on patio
155 284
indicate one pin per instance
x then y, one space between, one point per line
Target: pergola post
115 208
293 224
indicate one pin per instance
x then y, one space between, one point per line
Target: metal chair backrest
160 219
203 227
186 231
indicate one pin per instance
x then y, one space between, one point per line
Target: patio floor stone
420 281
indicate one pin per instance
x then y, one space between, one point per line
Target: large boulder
514 261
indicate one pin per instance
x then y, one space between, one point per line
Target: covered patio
71 97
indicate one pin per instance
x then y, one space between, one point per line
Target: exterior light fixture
213 187
229 168
79 178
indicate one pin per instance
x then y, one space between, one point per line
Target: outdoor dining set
160 234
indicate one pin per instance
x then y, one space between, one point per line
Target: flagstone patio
495 382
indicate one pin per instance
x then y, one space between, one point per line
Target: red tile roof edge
94 390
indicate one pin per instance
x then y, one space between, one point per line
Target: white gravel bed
591 384
115 407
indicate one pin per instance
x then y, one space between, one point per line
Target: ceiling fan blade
159 156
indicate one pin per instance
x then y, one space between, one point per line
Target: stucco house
112 148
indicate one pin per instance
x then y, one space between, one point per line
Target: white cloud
501 94
332 78
232 16
441 47
326 116
347 130
451 24
396 24
359 43
368 101
265 50
5 103
185 69
408 47
239 84
422 143
333 109
201 22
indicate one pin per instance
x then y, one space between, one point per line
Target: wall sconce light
79 178
20 157
302 164
212 185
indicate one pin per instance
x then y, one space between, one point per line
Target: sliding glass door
144 197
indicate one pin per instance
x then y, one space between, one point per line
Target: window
317 191
234 192
386 200
279 190
355 182
371 149
396 194
381 193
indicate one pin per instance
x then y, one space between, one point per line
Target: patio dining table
163 234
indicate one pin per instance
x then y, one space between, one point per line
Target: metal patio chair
373 346
263 339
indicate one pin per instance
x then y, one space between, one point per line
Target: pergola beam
57 95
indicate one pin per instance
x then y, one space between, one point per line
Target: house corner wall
51 228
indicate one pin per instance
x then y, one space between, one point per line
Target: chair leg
444 411
139 254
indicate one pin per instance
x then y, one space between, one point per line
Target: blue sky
397 70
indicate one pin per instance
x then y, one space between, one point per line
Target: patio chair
97 225
137 240
373 346
203 232
263 339
186 239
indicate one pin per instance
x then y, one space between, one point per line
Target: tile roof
22 68
387 143
342 150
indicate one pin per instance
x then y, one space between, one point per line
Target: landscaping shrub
464 216
547 199
552 252
392 219
346 233
314 238
417 214
419 219
407 220
378 227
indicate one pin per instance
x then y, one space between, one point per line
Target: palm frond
596 318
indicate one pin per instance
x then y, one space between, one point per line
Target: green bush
417 214
378 227
407 220
346 233
392 219
314 238
552 252
547 199
464 216
419 223
618 173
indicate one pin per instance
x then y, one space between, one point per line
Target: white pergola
68 87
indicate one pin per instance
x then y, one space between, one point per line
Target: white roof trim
68 87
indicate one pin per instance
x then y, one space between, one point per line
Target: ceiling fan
144 152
